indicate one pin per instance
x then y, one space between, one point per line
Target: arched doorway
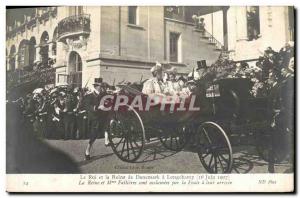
12 58
75 69
32 43
54 40
44 48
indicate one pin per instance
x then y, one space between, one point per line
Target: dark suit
81 117
42 119
96 117
69 117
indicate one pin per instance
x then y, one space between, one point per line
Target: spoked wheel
214 149
174 139
126 134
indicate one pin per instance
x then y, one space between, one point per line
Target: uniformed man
81 114
58 116
52 120
154 85
69 115
29 110
96 117
41 116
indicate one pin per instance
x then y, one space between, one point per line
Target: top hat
201 64
269 50
98 81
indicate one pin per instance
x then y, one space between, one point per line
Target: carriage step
152 141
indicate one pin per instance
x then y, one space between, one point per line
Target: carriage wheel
214 149
175 139
126 135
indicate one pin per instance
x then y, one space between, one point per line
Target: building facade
122 43
251 29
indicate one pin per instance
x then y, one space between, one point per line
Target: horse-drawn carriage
227 109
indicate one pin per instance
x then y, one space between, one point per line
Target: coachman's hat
201 64
98 81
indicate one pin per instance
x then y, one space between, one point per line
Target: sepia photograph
185 96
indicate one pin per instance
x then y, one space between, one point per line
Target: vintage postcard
150 99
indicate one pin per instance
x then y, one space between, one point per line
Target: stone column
16 61
241 17
37 53
225 29
50 50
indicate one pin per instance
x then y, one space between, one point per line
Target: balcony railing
32 22
74 25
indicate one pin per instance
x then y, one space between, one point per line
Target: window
78 63
132 15
253 24
75 10
23 56
174 43
62 78
75 69
291 23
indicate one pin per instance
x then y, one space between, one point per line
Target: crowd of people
66 112
38 70
63 112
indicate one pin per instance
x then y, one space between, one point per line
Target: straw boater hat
76 90
98 81
157 67
173 70
190 82
53 91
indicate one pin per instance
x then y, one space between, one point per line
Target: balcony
74 26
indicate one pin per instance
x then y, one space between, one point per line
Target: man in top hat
268 63
96 117
29 110
155 84
199 72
